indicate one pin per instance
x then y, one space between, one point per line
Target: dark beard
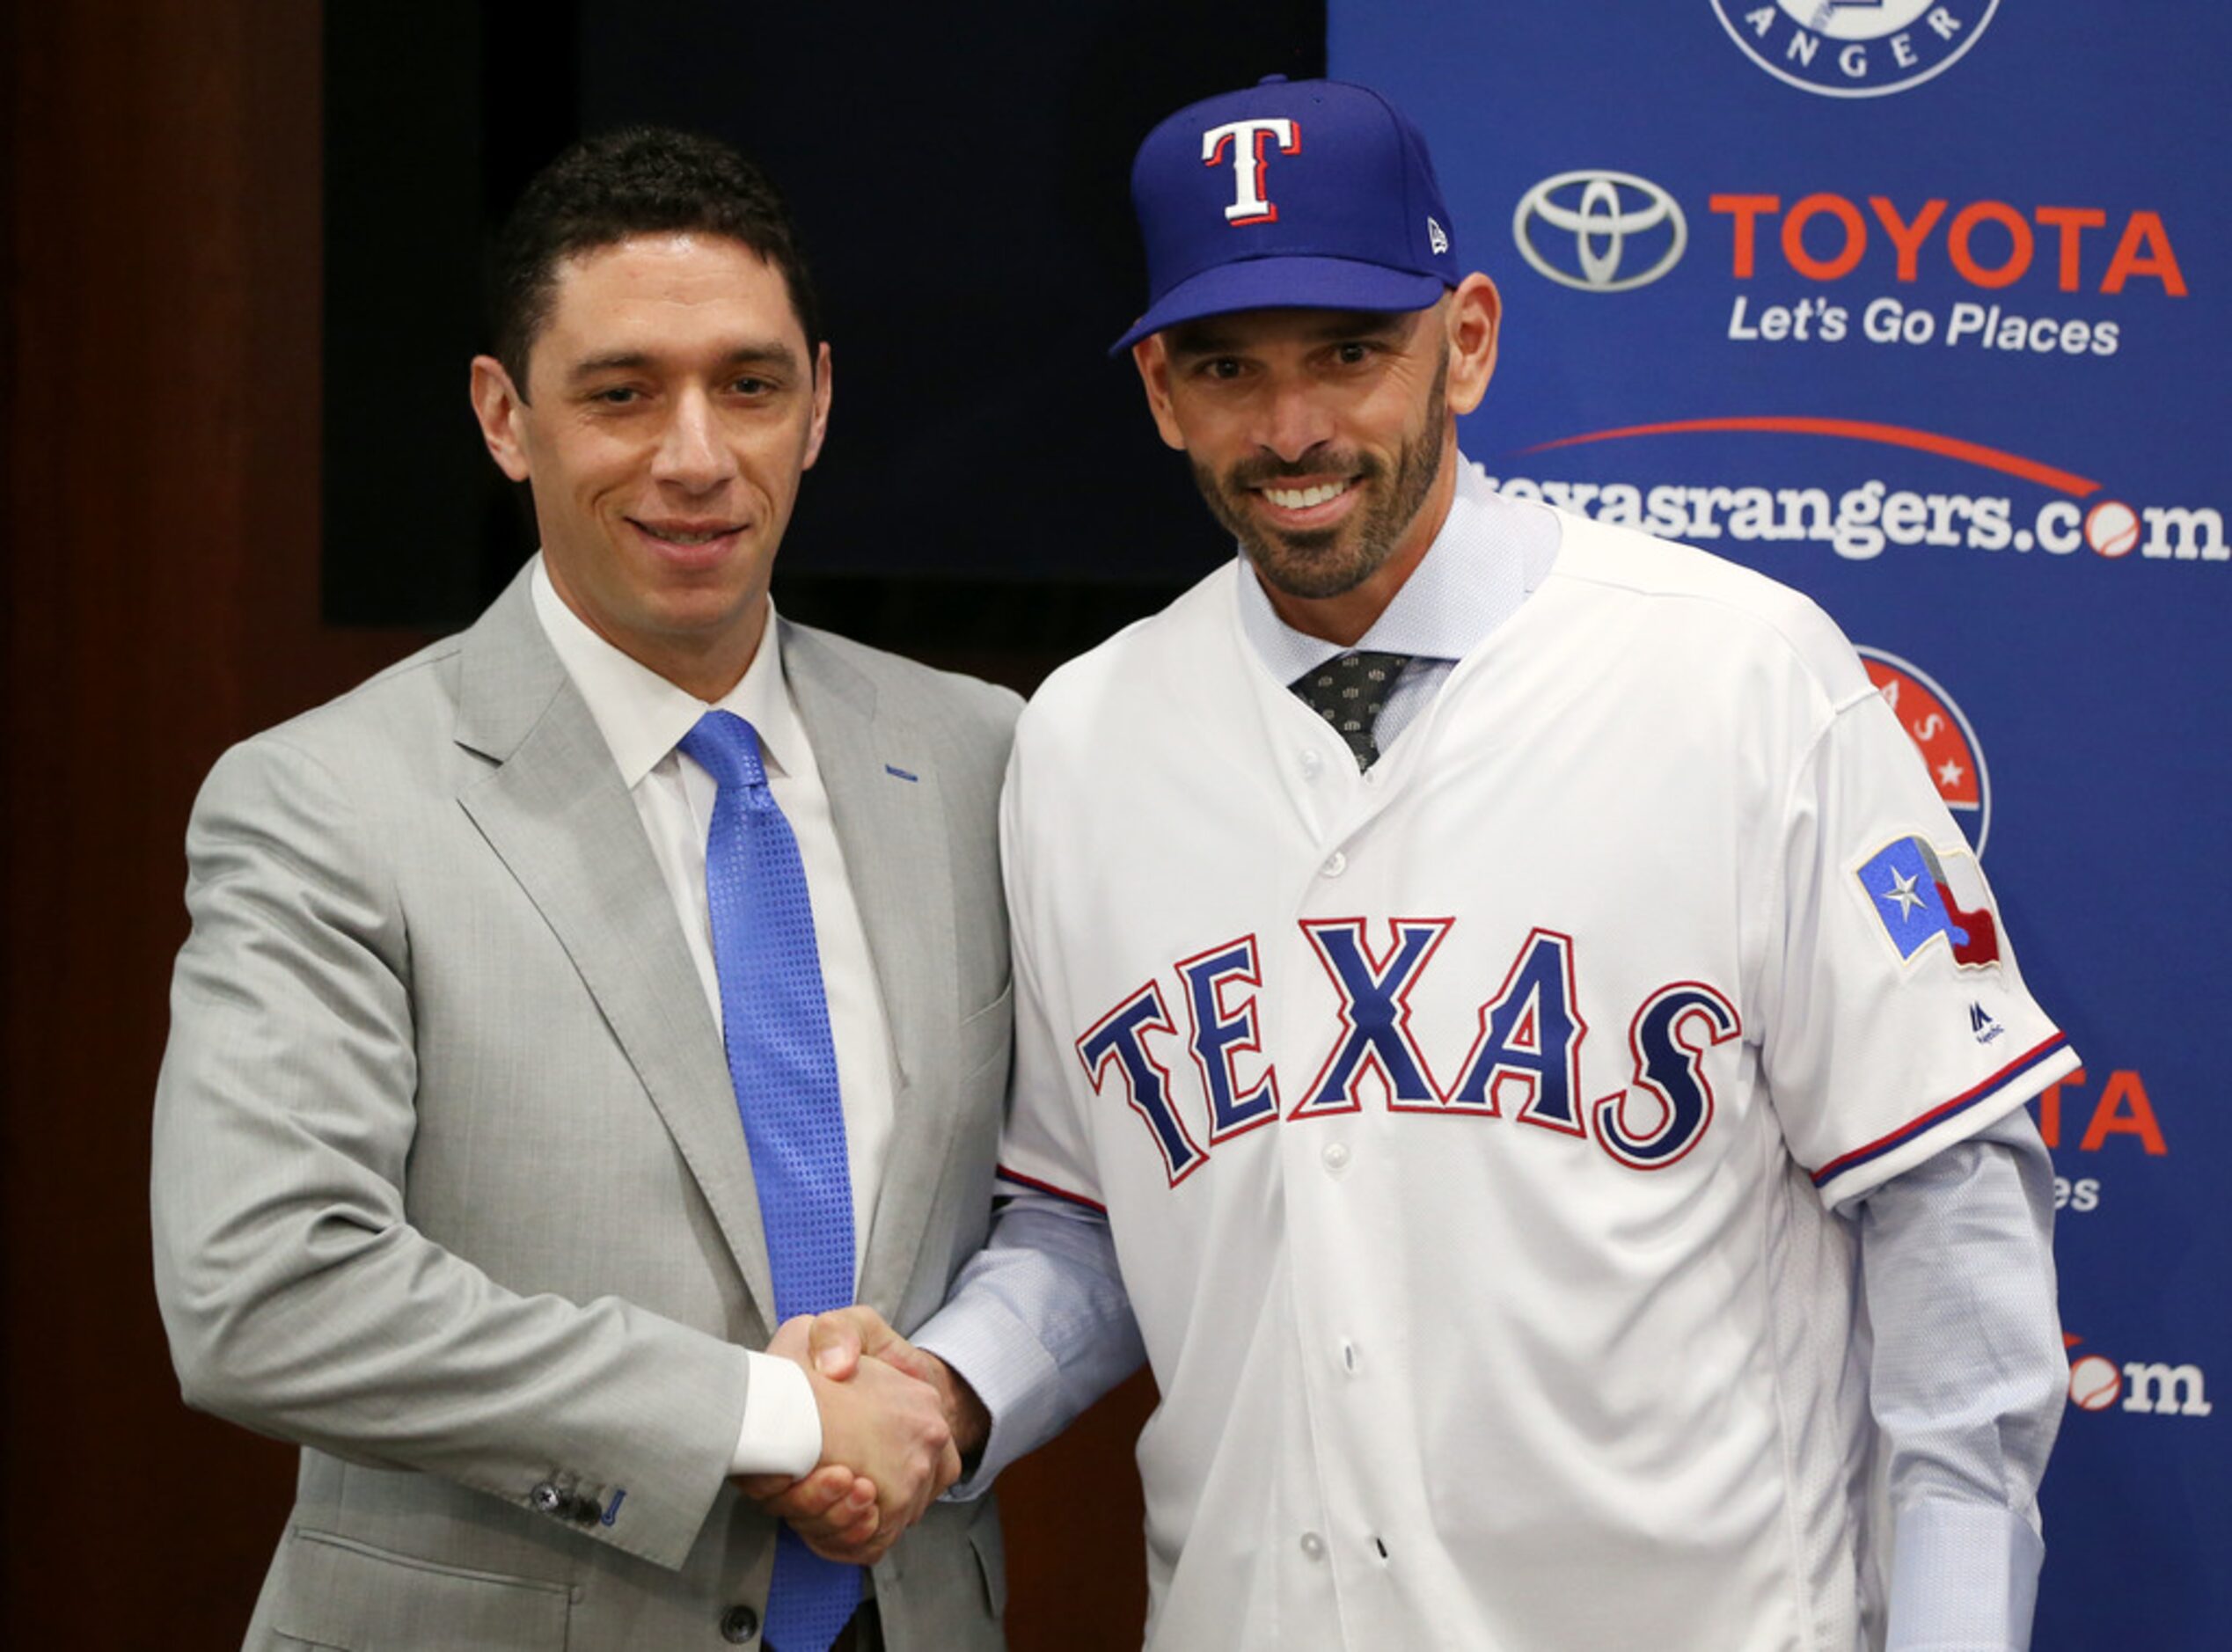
1320 562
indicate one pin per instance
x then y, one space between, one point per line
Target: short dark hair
638 180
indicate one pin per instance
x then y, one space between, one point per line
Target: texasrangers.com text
1861 522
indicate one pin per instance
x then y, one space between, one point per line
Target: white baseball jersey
1468 1129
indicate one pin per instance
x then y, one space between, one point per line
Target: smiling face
670 410
1325 440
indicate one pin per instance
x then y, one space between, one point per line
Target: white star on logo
1949 773
1902 890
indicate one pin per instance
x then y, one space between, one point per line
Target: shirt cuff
782 1427
1965 1578
982 1340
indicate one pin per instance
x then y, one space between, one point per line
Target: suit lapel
880 775
555 811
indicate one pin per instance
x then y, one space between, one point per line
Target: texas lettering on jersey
1525 1063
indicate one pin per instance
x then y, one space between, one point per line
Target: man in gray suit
452 1183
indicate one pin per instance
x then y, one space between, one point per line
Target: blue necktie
775 1022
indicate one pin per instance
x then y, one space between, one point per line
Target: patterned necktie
1350 691
775 1022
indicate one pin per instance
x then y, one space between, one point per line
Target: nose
1292 417
692 455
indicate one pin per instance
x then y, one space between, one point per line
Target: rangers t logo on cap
1360 224
1251 207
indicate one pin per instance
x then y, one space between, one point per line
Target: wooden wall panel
162 476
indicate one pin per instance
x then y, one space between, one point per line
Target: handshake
896 1424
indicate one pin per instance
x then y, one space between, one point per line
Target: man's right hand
841 1513
890 1430
838 1339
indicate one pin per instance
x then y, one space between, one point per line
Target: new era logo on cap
1310 193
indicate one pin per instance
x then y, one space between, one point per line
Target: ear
1475 317
501 410
1153 360
821 425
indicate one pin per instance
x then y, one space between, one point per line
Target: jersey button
1337 1157
1335 864
1311 763
1312 1546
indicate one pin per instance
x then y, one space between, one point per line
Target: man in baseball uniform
1500 999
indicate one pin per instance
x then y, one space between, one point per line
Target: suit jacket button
546 1499
738 1625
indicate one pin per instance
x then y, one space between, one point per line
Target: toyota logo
1596 213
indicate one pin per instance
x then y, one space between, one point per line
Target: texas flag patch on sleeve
1918 893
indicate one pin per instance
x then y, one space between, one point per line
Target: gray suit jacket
449 1186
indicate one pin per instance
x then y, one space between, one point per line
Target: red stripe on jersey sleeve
1983 1092
1036 1185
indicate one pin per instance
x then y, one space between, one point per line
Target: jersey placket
1338 1179
1338 1527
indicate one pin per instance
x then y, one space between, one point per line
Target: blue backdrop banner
1922 309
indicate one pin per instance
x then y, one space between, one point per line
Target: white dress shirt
643 718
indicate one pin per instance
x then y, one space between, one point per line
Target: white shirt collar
1488 556
642 716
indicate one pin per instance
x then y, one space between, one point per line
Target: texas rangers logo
1942 733
1247 142
1919 893
1855 48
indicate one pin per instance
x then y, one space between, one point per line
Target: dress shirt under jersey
643 717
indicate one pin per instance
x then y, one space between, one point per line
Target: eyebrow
770 353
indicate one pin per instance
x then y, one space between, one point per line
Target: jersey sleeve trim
1048 1187
1997 1085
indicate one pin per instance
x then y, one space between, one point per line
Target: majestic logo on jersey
1524 1063
1981 1023
1854 49
1918 895
1613 230
1245 141
1942 733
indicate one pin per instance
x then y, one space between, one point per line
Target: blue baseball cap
1307 192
